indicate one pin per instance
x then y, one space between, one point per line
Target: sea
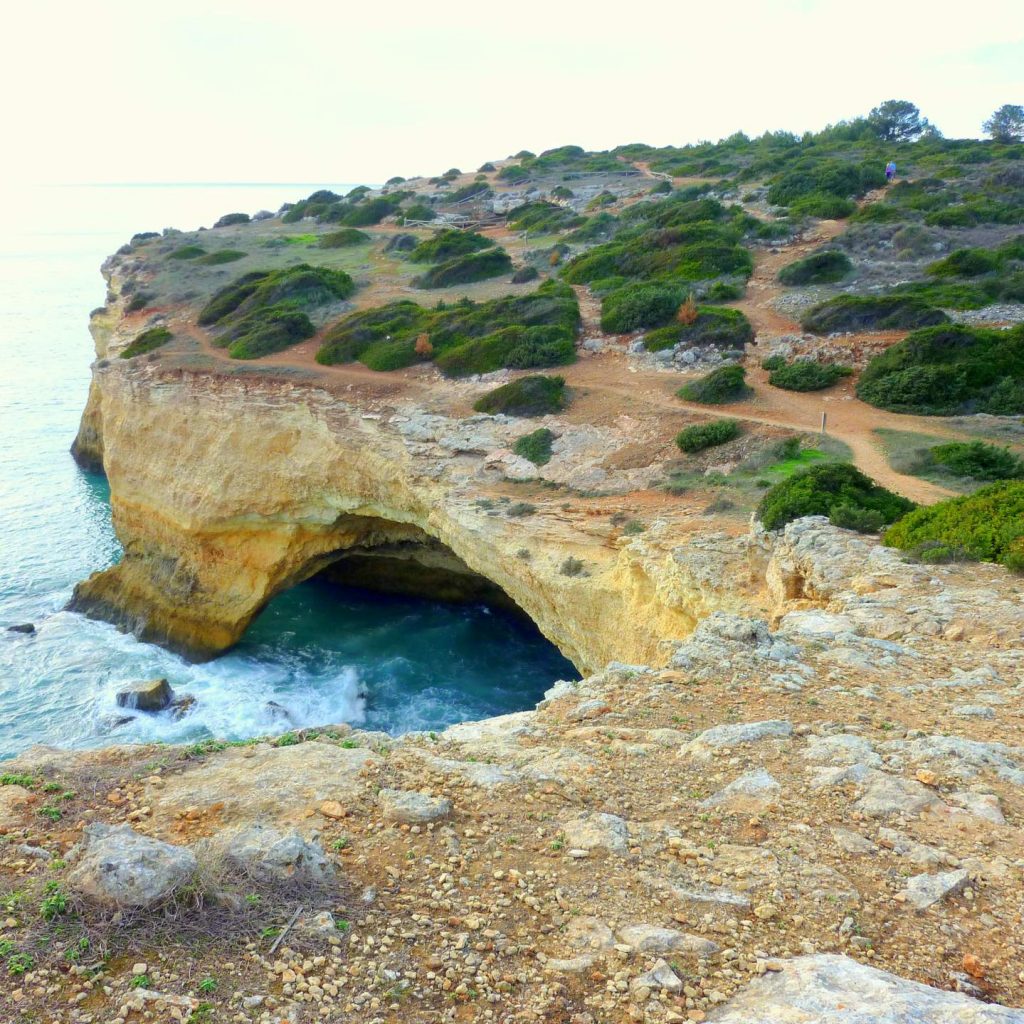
317 655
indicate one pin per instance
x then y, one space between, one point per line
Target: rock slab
152 695
833 989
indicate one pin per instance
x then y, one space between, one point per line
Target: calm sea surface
324 654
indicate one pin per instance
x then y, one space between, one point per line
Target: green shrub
302 285
535 447
543 218
871 313
370 211
343 239
820 268
147 341
707 435
988 525
819 490
594 229
639 305
724 291
823 206
232 218
978 460
215 259
447 245
477 266
726 384
944 370
726 328
964 263
418 211
266 330
524 274
513 173
519 331
140 300
863 520
807 375
534 395
773 363
187 252
478 189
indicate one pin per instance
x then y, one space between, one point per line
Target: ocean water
323 654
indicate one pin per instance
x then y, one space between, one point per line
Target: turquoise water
322 653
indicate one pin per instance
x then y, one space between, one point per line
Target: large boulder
117 867
151 695
272 855
15 802
833 989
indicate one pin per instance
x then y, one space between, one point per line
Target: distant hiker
890 170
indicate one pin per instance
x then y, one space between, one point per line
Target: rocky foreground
816 818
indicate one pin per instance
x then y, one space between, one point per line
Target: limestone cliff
226 491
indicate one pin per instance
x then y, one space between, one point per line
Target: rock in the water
22 627
412 808
117 867
597 832
152 695
278 712
923 891
833 989
182 705
275 856
646 938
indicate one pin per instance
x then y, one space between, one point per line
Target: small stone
973 966
139 969
409 807
22 627
926 776
332 809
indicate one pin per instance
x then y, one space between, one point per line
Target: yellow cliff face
226 491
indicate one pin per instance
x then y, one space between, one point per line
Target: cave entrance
394 632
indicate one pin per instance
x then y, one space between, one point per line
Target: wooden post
824 418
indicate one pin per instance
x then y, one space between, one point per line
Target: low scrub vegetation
822 490
187 252
807 375
978 460
950 369
707 435
535 447
871 313
230 219
522 332
542 218
447 245
725 328
301 286
726 384
987 525
221 256
266 330
478 266
343 239
147 341
639 305
533 395
820 268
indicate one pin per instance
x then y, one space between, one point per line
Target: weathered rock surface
411 808
270 854
831 989
117 867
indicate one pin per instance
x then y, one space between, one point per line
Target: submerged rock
22 627
119 868
151 695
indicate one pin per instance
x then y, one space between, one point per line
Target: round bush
978 460
535 395
820 268
639 305
819 490
806 375
707 435
726 384
344 238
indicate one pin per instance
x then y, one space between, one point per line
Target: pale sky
248 90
